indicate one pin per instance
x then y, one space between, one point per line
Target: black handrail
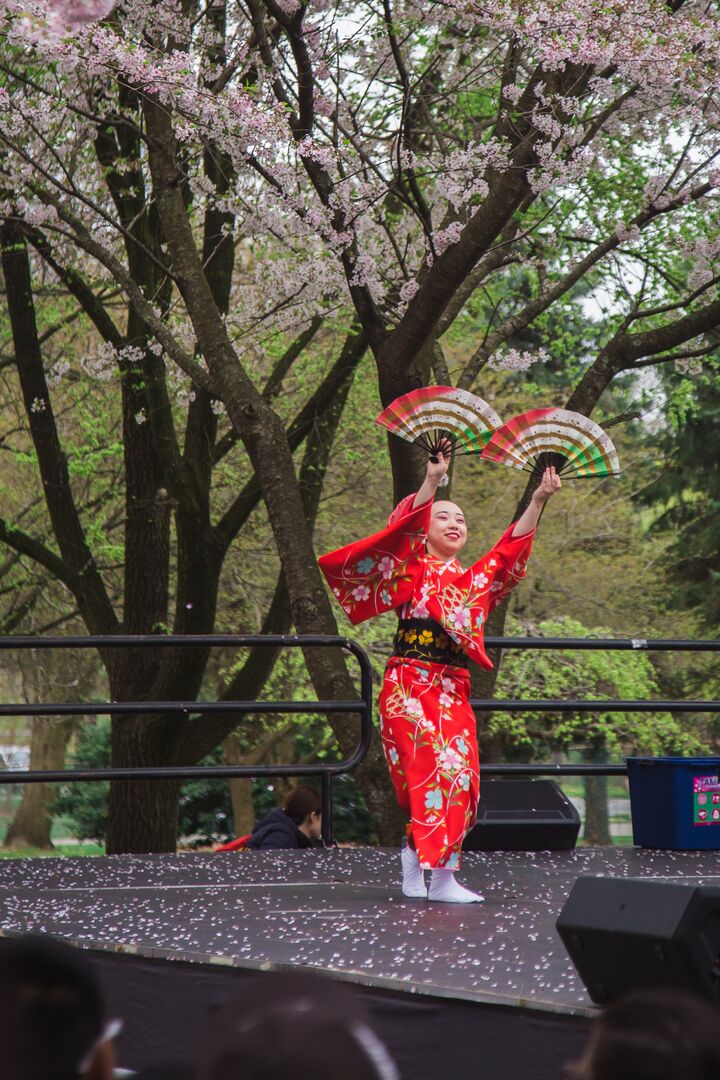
609 644
327 771
591 706
606 644
26 641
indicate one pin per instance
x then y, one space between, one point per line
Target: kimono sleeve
379 573
507 562
463 606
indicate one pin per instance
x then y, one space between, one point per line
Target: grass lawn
63 827
63 849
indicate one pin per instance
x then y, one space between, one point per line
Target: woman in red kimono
427 725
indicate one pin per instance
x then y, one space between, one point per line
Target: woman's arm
549 484
436 470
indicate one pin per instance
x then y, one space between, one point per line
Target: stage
487 986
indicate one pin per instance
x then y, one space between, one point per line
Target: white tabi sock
445 889
413 881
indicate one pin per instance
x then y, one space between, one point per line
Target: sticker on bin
706 800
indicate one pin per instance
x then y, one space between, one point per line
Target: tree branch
39 553
144 309
706 350
77 287
274 381
341 372
91 595
522 319
205 732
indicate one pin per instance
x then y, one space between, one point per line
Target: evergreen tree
687 494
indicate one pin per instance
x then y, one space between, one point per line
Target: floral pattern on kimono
461 600
375 575
391 569
427 725
428 736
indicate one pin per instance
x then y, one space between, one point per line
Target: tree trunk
240 790
142 816
597 818
265 439
32 823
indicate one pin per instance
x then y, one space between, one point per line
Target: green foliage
311 740
86 804
585 674
686 497
204 806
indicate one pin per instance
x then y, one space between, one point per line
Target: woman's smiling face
448 532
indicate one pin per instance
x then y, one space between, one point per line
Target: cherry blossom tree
242 169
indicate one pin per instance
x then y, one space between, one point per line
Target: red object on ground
233 845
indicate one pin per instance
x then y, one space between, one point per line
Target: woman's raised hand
439 463
549 484
435 473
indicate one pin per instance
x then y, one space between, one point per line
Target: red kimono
427 725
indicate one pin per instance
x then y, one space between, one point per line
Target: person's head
656 1034
52 1014
293 1025
447 532
304 806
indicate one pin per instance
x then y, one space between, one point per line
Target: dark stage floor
340 911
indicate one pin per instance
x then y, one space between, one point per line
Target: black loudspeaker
629 933
523 815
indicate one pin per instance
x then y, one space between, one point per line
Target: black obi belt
425 639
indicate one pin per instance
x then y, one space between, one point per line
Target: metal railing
584 705
363 706
327 771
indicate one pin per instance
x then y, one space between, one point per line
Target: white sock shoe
445 889
413 881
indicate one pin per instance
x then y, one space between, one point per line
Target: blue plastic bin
675 802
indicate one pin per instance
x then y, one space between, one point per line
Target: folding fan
576 446
433 413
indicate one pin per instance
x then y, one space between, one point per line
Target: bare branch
27 545
690 354
144 309
522 319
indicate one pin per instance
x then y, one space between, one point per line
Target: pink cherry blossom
77 12
302 253
514 360
408 290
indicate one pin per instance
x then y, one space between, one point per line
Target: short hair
302 801
281 1045
654 1034
51 1008
294 1024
